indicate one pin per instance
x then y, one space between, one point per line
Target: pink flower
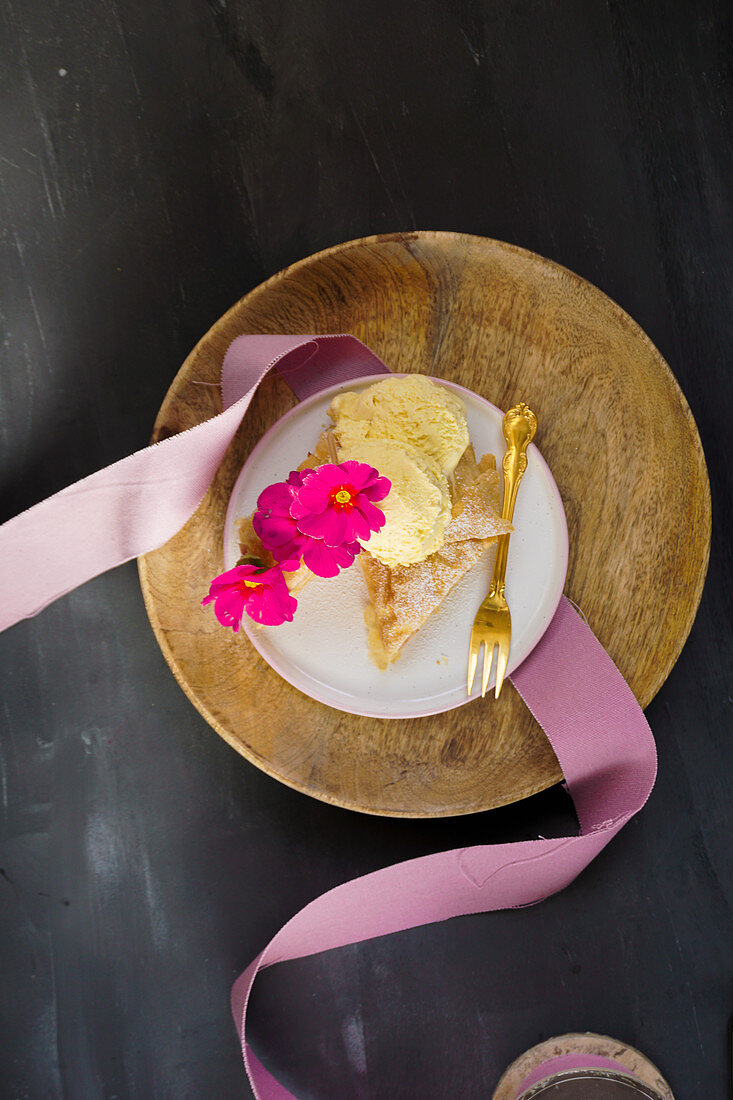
262 593
276 527
336 503
327 561
279 532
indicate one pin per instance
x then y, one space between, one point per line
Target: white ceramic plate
323 652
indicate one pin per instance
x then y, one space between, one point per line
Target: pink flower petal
229 608
224 580
310 498
275 498
270 578
328 474
360 474
270 603
379 490
331 526
327 561
373 516
274 530
271 608
358 525
288 557
315 524
321 559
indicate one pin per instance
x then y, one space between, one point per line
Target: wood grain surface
618 436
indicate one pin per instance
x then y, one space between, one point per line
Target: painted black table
156 161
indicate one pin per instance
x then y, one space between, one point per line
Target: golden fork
493 624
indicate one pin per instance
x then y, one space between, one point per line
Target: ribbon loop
570 684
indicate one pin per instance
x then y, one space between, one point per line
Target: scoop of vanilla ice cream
414 432
408 409
417 507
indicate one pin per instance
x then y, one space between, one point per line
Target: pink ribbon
138 503
607 754
570 684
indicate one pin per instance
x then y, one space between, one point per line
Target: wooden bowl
618 436
585 1043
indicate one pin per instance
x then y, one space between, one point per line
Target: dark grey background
158 158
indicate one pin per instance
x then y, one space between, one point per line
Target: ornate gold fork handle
519 427
492 625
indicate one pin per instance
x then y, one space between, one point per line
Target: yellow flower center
343 496
244 583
